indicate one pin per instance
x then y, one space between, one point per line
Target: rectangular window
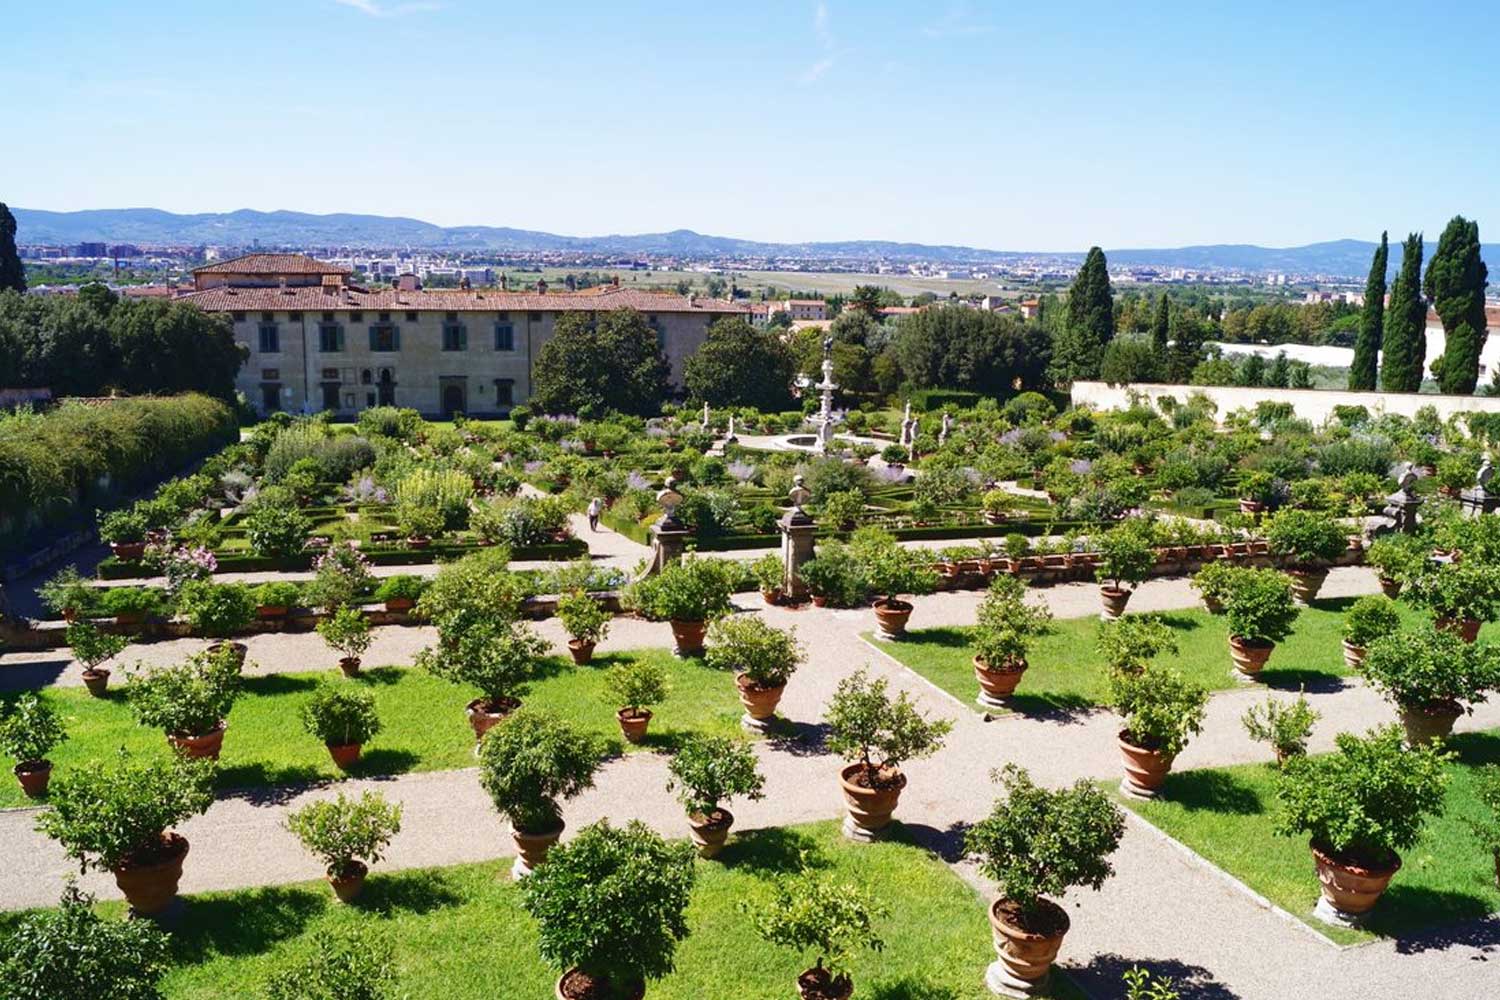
369 399
270 374
505 391
385 337
268 317
294 317
356 317
330 338
330 374
330 318
411 317
270 339
535 317
455 337
270 398
505 337
238 317
330 395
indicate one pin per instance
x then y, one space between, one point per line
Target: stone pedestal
668 542
1001 983
796 548
1477 501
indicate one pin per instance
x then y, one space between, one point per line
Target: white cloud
957 20
816 70
823 33
821 28
375 8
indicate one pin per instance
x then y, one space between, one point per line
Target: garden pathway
1161 910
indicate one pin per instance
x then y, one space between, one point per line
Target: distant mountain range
245 227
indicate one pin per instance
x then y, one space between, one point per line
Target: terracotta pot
1390 588
349 665
771 597
271 611
710 832
418 542
574 985
237 652
127 551
34 776
687 637
1213 605
996 686
204 745
582 651
1354 656
345 754
150 888
483 716
819 601
1025 958
760 702
1249 657
870 809
820 984
1306 583
633 725
1251 506
347 887
127 618
395 604
1429 723
892 615
97 681
1145 770
1114 602
1466 628
1351 889
532 848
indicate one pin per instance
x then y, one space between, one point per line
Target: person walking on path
596 507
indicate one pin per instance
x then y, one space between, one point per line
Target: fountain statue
824 419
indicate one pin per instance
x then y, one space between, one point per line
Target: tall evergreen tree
1161 331
1455 285
1363 371
1090 324
1405 345
12 274
1187 347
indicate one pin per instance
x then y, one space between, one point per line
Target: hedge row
58 465
113 569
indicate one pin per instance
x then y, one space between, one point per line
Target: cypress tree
1090 323
12 274
1371 327
1161 332
1455 284
1406 324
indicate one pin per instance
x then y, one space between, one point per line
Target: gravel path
1162 910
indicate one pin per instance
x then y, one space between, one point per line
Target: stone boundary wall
1315 405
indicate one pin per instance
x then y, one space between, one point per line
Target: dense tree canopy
1078 348
88 344
595 365
12 274
1455 284
1405 342
1161 328
972 350
739 365
1363 370
1128 360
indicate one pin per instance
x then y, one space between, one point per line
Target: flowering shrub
182 565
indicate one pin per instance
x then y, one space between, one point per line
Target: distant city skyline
969 124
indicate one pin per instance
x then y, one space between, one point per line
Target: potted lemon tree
816 914
636 685
689 595
707 771
1432 676
1307 542
1368 619
1259 611
28 732
585 621
1162 710
343 719
91 647
1003 633
762 659
1126 558
347 835
190 702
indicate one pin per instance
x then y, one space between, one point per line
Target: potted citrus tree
610 907
1396 559
217 610
190 702
586 622
490 652
1039 842
688 594
890 571
400 593
1126 558
1359 807
68 595
815 914
1461 596
275 598
347 632
637 684
707 771
876 734
1161 710
1213 582
1257 490
1259 612
28 732
768 571
1307 542
1003 634
1286 726
527 764
1130 642
125 532
117 816
1368 619
343 719
1432 676
91 647
762 659
348 835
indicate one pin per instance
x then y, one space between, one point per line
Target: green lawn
424 724
1228 814
1066 671
461 932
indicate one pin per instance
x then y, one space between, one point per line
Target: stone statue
1484 475
947 426
1400 511
730 438
828 348
705 416
669 499
799 495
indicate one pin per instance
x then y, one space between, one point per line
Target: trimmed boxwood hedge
112 569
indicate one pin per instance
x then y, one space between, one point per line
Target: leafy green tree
71 953
966 349
612 362
1405 344
1079 347
1363 371
1128 360
866 298
1455 283
739 365
12 274
1161 328
1188 335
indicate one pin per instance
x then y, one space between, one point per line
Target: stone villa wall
1315 405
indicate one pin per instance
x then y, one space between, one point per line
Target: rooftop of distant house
272 263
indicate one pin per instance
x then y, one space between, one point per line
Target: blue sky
1003 125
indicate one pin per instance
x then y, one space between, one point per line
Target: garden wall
1315 405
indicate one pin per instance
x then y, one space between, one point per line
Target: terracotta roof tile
271 263
313 298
